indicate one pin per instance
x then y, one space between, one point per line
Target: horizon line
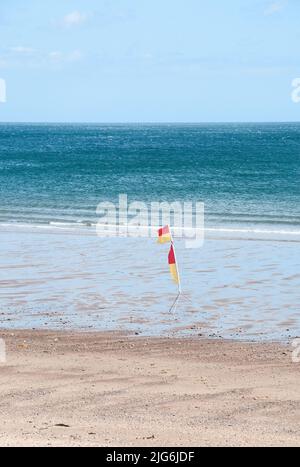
53 122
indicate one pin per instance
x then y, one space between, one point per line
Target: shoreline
234 231
109 389
130 334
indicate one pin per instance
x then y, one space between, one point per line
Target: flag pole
177 267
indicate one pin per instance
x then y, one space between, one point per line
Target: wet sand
233 288
107 389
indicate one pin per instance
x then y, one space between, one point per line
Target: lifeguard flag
164 235
173 265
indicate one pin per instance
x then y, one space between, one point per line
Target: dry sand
64 389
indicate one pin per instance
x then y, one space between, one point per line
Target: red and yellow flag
164 234
173 265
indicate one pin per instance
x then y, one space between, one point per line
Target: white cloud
275 7
22 50
55 55
75 56
58 56
3 63
75 18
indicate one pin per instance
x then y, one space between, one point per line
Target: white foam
146 230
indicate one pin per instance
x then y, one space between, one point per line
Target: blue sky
149 61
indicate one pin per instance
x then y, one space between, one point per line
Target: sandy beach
107 389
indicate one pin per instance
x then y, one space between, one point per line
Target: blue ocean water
246 174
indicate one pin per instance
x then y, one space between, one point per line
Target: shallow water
234 288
